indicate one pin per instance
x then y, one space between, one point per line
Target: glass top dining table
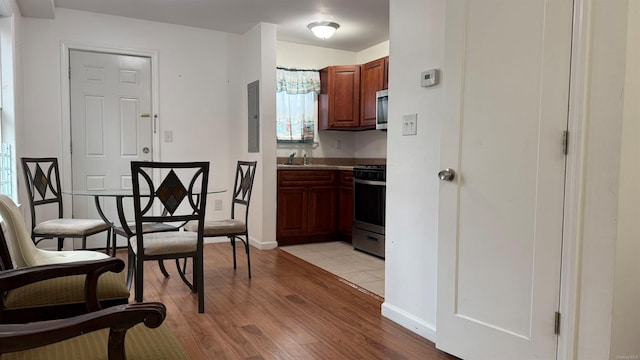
119 195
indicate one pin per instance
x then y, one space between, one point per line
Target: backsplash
298 160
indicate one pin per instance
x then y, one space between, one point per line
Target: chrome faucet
290 159
304 159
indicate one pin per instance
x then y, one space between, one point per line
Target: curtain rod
289 69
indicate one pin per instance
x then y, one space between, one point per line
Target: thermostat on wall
429 78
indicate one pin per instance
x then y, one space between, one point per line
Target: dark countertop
314 167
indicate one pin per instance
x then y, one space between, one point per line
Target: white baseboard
409 321
260 245
263 245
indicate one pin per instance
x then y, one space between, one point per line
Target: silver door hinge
565 142
556 326
71 147
69 73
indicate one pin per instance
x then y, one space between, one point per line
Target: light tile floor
341 259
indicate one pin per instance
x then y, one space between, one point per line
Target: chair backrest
42 178
245 173
18 240
177 202
5 256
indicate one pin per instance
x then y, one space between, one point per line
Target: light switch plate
409 124
168 136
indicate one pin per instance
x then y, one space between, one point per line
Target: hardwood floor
290 309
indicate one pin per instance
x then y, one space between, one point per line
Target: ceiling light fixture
323 29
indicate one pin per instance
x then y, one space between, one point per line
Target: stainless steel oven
369 196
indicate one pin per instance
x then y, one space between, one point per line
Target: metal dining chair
237 227
42 178
178 198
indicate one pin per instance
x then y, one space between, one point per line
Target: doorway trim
569 305
65 99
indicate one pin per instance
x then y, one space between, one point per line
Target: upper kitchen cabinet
339 99
372 80
347 99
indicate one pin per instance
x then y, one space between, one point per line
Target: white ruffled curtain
296 104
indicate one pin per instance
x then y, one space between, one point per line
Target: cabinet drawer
306 177
346 178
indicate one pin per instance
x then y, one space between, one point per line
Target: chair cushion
44 257
219 227
141 343
75 227
172 242
146 228
66 290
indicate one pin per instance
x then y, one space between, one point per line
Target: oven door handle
370 182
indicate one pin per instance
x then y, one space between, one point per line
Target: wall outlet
338 144
409 124
218 204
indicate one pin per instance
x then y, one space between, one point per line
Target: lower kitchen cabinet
293 205
307 206
345 204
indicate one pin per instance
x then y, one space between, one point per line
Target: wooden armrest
15 278
18 337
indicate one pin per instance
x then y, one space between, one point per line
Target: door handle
145 150
447 174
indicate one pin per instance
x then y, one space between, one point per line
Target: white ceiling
363 23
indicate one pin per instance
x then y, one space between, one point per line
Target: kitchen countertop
314 167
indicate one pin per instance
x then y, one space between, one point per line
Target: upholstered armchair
131 331
55 296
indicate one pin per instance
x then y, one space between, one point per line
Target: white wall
193 82
333 144
375 52
416 44
626 317
259 53
298 56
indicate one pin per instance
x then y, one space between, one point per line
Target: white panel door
111 124
506 80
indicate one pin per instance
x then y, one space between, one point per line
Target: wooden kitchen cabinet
307 205
339 98
345 204
372 80
293 205
347 99
385 83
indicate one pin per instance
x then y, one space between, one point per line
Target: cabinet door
372 80
339 100
322 210
292 211
345 203
385 84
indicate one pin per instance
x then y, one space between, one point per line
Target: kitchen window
296 105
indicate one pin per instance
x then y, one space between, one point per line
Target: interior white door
111 125
506 83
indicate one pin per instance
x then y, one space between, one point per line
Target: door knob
145 150
447 174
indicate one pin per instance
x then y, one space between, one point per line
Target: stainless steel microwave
382 106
